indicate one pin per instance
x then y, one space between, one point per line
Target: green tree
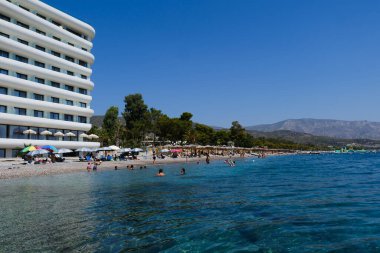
222 137
153 117
111 126
135 115
205 135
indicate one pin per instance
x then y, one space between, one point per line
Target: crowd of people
93 166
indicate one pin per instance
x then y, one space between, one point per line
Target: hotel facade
45 70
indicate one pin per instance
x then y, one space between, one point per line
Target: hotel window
82 91
69 117
40 32
3 109
81 104
39 64
2 151
82 119
40 48
40 80
84 49
16 152
71 44
69 102
4 54
69 87
55 84
21 59
56 23
55 100
4 71
4 35
22 7
56 38
55 69
19 93
68 58
22 25
83 77
83 63
43 17
70 73
3 131
22 76
3 90
20 111
38 97
39 114
6 18
55 53
23 42
54 115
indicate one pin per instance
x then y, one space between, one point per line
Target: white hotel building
45 69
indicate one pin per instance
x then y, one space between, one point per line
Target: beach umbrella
70 134
176 150
137 150
50 148
83 135
38 152
63 151
28 149
165 150
84 150
59 134
114 148
104 149
124 150
93 136
29 132
46 132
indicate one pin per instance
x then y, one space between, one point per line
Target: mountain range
325 127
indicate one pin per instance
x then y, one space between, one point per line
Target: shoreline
14 169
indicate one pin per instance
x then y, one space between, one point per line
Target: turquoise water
325 203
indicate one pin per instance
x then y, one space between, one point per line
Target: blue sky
255 61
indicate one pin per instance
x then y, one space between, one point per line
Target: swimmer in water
183 171
160 173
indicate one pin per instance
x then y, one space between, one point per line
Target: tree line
141 123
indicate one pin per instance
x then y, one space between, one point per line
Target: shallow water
325 203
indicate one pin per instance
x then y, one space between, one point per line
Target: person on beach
89 167
183 171
160 173
95 167
154 157
115 167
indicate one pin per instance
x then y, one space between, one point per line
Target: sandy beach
18 169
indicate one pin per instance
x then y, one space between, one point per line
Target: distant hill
306 139
326 127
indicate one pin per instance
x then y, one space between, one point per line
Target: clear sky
255 61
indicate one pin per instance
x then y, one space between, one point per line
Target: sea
295 203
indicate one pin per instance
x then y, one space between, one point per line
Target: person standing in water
208 158
183 171
154 157
89 167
